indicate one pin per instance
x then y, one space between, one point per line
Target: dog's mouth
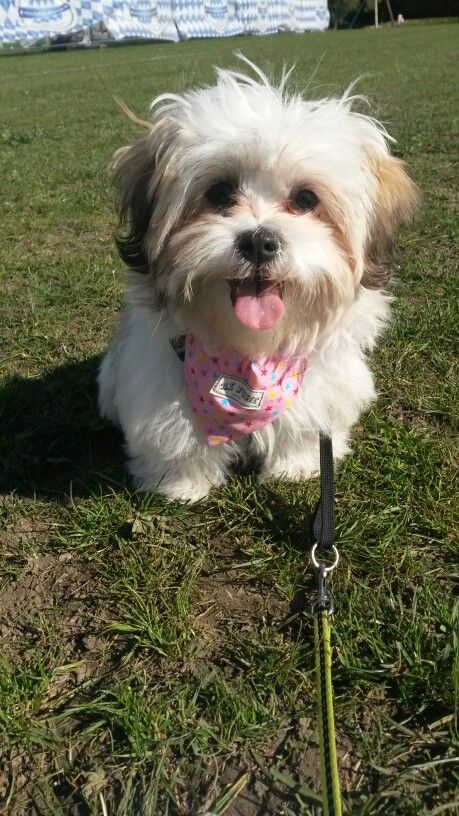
257 301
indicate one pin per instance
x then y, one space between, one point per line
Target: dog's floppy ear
133 172
396 202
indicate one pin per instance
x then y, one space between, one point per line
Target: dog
256 228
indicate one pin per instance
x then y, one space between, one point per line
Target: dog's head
255 216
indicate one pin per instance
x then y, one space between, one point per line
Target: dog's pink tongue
257 307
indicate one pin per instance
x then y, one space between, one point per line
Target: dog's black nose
259 246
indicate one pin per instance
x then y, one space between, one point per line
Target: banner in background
143 19
206 18
29 20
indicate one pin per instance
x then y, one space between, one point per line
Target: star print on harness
232 395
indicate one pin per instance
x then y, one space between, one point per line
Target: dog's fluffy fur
181 252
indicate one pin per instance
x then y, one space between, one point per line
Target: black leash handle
323 520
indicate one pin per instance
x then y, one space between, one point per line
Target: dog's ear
133 170
396 202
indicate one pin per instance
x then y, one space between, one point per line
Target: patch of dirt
21 535
50 616
286 773
231 600
422 420
231 597
53 596
230 594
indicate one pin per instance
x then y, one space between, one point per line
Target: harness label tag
236 390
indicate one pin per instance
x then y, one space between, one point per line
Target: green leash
328 763
323 529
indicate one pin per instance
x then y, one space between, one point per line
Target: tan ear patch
396 204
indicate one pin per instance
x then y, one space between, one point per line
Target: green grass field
157 659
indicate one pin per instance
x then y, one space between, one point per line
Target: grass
157 658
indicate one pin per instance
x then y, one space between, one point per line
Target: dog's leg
297 460
141 386
188 478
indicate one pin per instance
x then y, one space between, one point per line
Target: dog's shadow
54 444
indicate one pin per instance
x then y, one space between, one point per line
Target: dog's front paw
184 489
302 463
176 482
288 470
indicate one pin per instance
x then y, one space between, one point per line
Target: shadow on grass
286 512
54 443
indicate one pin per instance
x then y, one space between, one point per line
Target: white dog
256 228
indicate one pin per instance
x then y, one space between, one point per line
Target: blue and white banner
143 19
206 18
30 20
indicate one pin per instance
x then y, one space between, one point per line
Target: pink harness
232 395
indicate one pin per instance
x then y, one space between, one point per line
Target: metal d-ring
318 564
324 600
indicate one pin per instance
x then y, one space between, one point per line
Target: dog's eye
221 194
305 200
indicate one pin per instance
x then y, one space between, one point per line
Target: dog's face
255 216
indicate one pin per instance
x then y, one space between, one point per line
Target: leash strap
323 520
328 762
323 534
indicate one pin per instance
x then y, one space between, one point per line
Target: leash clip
324 600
